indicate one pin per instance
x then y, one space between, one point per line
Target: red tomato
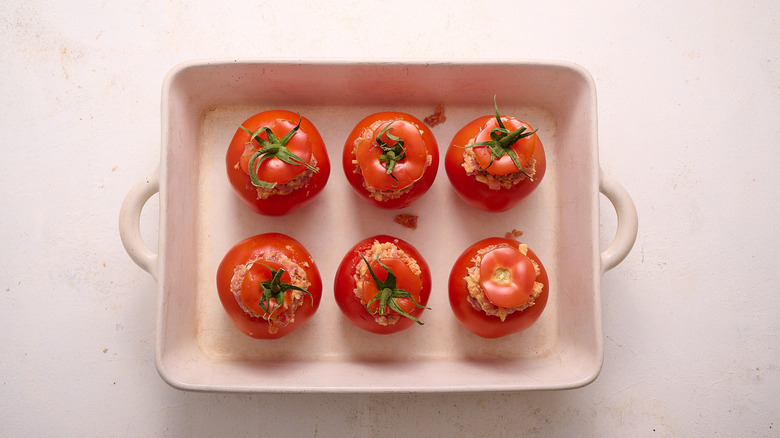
501 144
506 277
261 301
280 154
391 159
403 292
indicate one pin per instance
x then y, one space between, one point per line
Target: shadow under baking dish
199 349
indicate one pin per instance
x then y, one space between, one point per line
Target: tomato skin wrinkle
306 151
390 159
361 314
477 135
251 251
477 321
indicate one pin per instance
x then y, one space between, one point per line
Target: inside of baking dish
198 348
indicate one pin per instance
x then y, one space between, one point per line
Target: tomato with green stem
277 162
269 285
497 287
494 162
383 285
390 159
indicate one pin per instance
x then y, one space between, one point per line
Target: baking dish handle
130 222
627 222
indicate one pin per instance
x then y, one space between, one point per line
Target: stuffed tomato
383 284
269 285
497 287
391 159
277 162
494 162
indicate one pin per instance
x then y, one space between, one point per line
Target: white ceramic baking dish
197 348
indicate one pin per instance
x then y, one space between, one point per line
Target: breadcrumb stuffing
381 195
495 182
299 181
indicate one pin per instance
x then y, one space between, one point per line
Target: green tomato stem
275 289
502 140
389 292
392 153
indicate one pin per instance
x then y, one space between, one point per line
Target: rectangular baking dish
197 348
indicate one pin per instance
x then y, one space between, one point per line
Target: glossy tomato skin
249 249
356 178
278 204
478 322
477 194
353 308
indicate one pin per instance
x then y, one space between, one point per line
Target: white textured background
689 102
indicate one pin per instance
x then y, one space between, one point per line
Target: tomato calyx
273 147
501 142
388 293
276 289
392 153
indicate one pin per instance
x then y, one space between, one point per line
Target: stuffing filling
381 195
495 182
436 118
477 297
299 181
406 220
387 250
297 278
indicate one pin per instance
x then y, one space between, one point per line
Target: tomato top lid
276 153
507 276
394 156
504 145
498 156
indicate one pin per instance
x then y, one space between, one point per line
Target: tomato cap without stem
507 277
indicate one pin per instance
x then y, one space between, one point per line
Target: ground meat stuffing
387 250
514 234
406 220
477 297
437 117
301 180
297 278
381 195
495 182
